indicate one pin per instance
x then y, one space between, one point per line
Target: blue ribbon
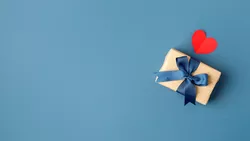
186 68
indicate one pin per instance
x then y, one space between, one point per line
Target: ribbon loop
186 68
182 64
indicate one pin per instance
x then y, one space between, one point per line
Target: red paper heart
202 44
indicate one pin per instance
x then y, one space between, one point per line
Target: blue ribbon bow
187 87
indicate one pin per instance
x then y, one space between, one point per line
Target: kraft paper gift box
202 92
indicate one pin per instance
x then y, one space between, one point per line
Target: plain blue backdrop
82 70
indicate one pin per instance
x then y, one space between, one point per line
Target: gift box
173 67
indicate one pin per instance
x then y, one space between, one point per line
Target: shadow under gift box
202 92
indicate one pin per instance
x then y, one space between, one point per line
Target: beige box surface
203 92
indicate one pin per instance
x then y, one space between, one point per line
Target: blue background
82 70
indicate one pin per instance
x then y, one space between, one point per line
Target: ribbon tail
188 99
188 90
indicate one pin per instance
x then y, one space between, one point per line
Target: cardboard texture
203 92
